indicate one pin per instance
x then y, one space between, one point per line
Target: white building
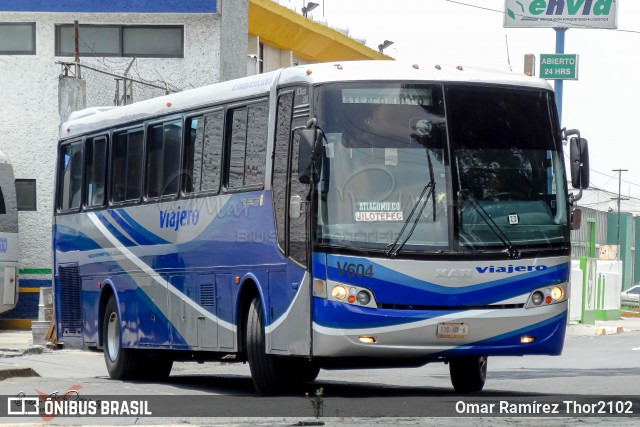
168 44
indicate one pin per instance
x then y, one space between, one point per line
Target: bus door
290 292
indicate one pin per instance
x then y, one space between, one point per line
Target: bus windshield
494 174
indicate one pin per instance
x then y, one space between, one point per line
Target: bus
8 236
331 216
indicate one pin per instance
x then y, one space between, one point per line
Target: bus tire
300 370
122 363
263 366
468 374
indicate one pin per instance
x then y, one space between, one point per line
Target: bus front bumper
341 330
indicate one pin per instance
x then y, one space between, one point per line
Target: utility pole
619 198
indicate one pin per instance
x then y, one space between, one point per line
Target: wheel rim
113 337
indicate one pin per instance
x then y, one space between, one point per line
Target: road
589 366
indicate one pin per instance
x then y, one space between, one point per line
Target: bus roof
94 119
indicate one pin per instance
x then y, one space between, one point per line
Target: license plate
453 330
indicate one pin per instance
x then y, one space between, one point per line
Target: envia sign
561 13
559 66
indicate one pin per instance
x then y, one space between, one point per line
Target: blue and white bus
8 236
339 215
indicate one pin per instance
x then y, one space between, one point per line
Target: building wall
30 122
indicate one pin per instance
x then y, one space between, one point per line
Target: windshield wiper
431 186
510 250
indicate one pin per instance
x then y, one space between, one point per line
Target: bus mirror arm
310 155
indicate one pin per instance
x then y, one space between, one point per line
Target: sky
604 103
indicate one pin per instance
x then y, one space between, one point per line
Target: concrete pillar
234 21
72 96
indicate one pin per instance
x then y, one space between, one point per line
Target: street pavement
14 344
19 343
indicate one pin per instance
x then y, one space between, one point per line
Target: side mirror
579 154
310 156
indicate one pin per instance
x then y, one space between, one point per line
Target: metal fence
104 87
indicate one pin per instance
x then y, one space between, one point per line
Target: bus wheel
468 373
126 363
300 370
262 365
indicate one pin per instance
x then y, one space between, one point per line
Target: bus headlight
548 295
557 293
339 292
346 293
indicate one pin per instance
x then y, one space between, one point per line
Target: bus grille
71 306
207 296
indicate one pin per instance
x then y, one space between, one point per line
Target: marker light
367 340
339 292
351 299
526 340
319 288
556 293
548 300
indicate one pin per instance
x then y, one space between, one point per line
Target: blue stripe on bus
114 231
392 287
549 340
339 315
137 232
70 239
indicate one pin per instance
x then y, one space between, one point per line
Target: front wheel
468 374
262 365
126 363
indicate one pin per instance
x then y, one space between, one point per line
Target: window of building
17 38
70 180
163 159
203 153
96 171
26 194
126 166
159 41
247 147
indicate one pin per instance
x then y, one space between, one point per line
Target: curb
609 330
17 372
16 352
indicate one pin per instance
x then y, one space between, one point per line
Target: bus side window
163 159
280 164
71 179
203 153
96 171
126 164
247 147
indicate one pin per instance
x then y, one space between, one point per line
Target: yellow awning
285 29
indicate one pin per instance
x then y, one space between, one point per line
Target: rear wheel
468 374
126 363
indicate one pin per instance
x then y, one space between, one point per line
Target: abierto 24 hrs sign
561 13
559 66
